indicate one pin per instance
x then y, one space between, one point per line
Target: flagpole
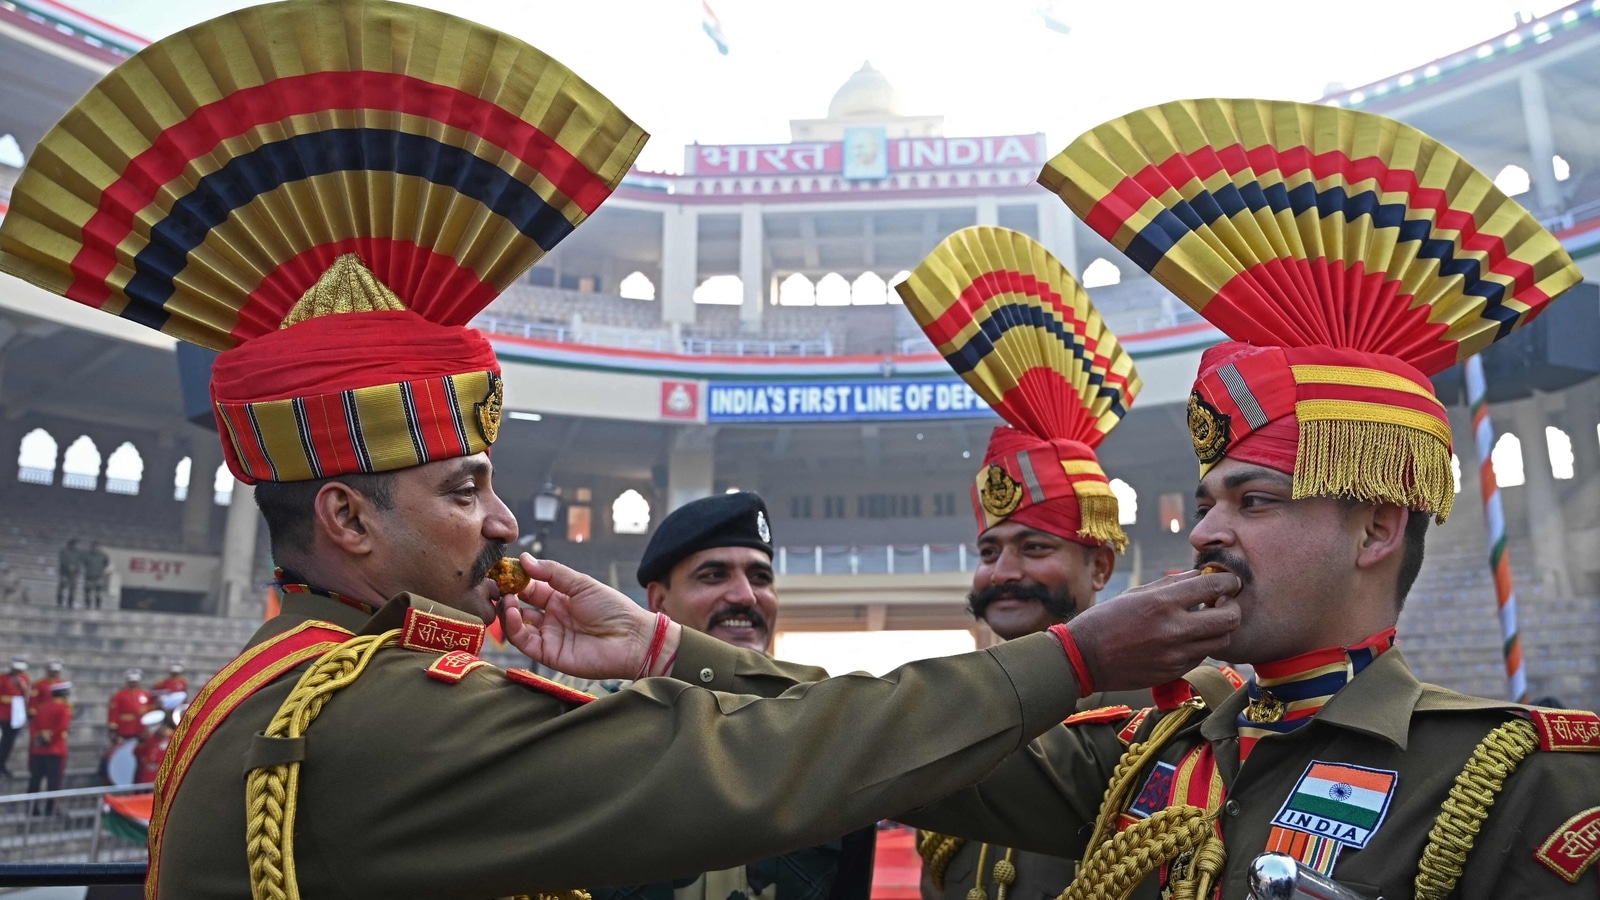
1495 525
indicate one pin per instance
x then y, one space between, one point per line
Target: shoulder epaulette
1102 715
454 666
431 633
1131 730
1566 730
545 685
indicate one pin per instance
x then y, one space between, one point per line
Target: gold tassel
1374 461
1097 515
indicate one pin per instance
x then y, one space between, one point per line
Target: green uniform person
1347 257
326 192
69 565
96 571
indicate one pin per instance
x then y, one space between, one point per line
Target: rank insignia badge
1342 802
999 493
489 410
1208 428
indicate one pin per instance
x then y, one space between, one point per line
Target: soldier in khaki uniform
1348 257
326 192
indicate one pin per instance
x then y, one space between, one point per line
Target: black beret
726 520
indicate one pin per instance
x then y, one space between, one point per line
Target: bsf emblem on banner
999 493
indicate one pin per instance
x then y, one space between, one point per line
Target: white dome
865 93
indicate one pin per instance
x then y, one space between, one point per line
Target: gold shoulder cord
1114 864
1472 796
937 849
272 792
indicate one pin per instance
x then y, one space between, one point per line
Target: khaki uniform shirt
414 788
1039 876
840 869
1047 798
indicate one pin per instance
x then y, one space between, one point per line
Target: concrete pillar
988 211
239 553
691 465
1541 142
1057 232
751 242
1583 494
680 264
205 453
1546 524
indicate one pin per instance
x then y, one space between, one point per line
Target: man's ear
1383 532
655 594
344 517
1102 562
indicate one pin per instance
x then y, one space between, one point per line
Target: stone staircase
98 646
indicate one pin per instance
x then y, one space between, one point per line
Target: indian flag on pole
1338 801
713 27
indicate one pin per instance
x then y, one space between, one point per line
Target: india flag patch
1338 801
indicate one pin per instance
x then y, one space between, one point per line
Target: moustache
757 620
1230 561
490 555
1059 603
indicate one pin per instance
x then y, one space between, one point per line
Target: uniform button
1231 807
706 675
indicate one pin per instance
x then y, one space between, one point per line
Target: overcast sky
989 66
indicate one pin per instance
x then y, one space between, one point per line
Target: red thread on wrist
666 668
657 639
1069 645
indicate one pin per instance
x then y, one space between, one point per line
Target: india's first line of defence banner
844 401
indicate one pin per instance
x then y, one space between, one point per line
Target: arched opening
1562 461
797 290
124 470
630 513
1127 502
1455 472
637 286
80 465
1563 169
11 152
1513 180
833 290
1506 460
868 290
894 296
720 290
180 479
222 486
1100 273
36 458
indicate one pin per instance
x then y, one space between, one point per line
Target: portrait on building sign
866 153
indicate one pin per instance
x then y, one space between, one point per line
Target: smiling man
1347 257
709 567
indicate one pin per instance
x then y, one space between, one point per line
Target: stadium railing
886 559
657 341
70 826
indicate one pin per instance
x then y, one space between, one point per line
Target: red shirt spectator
172 684
41 691
150 753
126 708
13 684
48 730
